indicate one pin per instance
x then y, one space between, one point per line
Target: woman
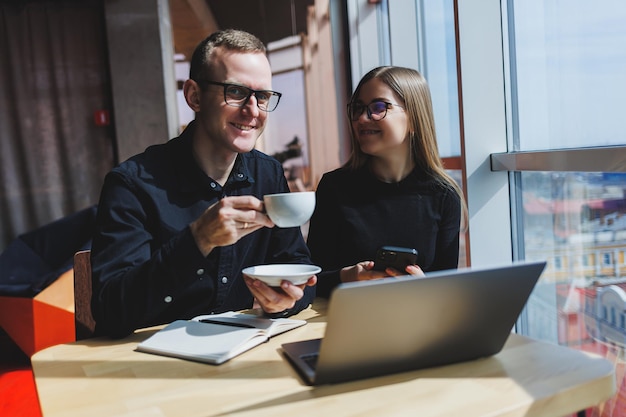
392 191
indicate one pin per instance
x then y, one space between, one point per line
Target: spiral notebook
215 338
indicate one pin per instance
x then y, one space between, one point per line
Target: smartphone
394 257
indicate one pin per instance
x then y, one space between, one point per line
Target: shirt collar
241 174
191 176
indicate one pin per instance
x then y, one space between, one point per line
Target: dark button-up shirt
147 269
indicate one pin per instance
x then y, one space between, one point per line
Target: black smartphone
394 257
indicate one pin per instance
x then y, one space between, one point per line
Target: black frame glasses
237 95
376 110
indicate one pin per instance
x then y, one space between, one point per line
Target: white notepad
226 336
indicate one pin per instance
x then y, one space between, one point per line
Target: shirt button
200 271
168 299
224 280
213 185
240 175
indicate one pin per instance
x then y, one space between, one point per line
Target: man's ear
192 92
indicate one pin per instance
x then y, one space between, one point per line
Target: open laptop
399 324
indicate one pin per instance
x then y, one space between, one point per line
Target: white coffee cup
290 209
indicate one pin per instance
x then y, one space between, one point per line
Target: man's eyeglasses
238 95
376 110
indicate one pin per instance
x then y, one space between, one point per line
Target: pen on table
228 323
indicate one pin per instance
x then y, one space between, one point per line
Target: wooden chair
85 324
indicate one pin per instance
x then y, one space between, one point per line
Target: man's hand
275 300
227 221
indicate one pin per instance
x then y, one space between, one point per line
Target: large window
418 34
569 61
437 51
542 97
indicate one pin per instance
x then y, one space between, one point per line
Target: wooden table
103 377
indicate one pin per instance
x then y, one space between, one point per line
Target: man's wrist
203 244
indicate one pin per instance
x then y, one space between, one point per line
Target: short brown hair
230 39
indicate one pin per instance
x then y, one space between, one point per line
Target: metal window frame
601 159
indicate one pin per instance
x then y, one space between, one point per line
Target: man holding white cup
178 223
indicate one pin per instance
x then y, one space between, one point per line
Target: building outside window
566 62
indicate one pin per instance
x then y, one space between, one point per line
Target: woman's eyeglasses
238 95
376 110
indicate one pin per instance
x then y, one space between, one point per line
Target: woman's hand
364 271
414 270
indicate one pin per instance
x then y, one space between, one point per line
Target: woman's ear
192 92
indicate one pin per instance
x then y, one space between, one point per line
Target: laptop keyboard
310 359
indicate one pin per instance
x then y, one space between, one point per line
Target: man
177 224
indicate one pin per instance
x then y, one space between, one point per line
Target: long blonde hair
413 89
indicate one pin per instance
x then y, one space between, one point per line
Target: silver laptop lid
398 324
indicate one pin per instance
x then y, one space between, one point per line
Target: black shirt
147 269
356 213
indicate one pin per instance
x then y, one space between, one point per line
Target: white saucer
273 274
